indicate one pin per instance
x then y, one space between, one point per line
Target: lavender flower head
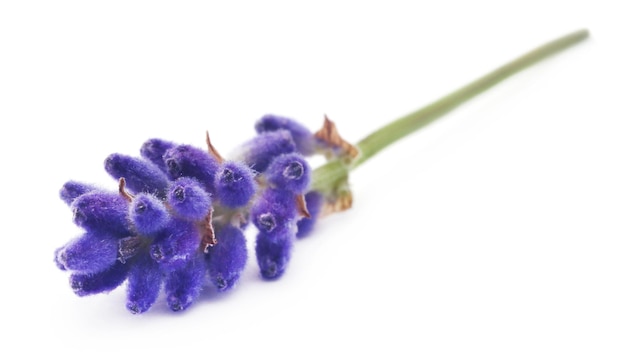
175 225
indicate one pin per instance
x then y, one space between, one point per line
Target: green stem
325 177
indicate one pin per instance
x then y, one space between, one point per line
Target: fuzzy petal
100 211
153 151
188 199
71 190
178 242
140 175
289 172
261 150
303 138
189 161
275 210
273 252
144 283
90 253
148 214
227 259
234 184
104 281
182 286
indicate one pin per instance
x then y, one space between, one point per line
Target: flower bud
183 285
189 161
153 151
71 190
140 175
273 252
188 199
148 214
302 137
100 211
175 244
227 259
289 172
274 210
144 284
87 284
262 149
234 184
89 253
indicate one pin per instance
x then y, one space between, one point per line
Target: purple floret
226 259
289 172
273 251
261 150
87 284
175 244
183 285
148 214
303 138
71 190
188 199
153 151
189 161
314 201
99 211
144 284
89 253
274 210
234 184
140 175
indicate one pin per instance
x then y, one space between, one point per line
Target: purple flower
227 259
273 252
189 161
71 190
175 244
188 199
148 214
140 175
234 184
153 151
259 152
144 284
302 137
101 282
274 210
89 253
183 285
289 172
100 211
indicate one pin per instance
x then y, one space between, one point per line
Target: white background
497 231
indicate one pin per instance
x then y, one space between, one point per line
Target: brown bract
329 135
341 202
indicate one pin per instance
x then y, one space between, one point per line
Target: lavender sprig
176 223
